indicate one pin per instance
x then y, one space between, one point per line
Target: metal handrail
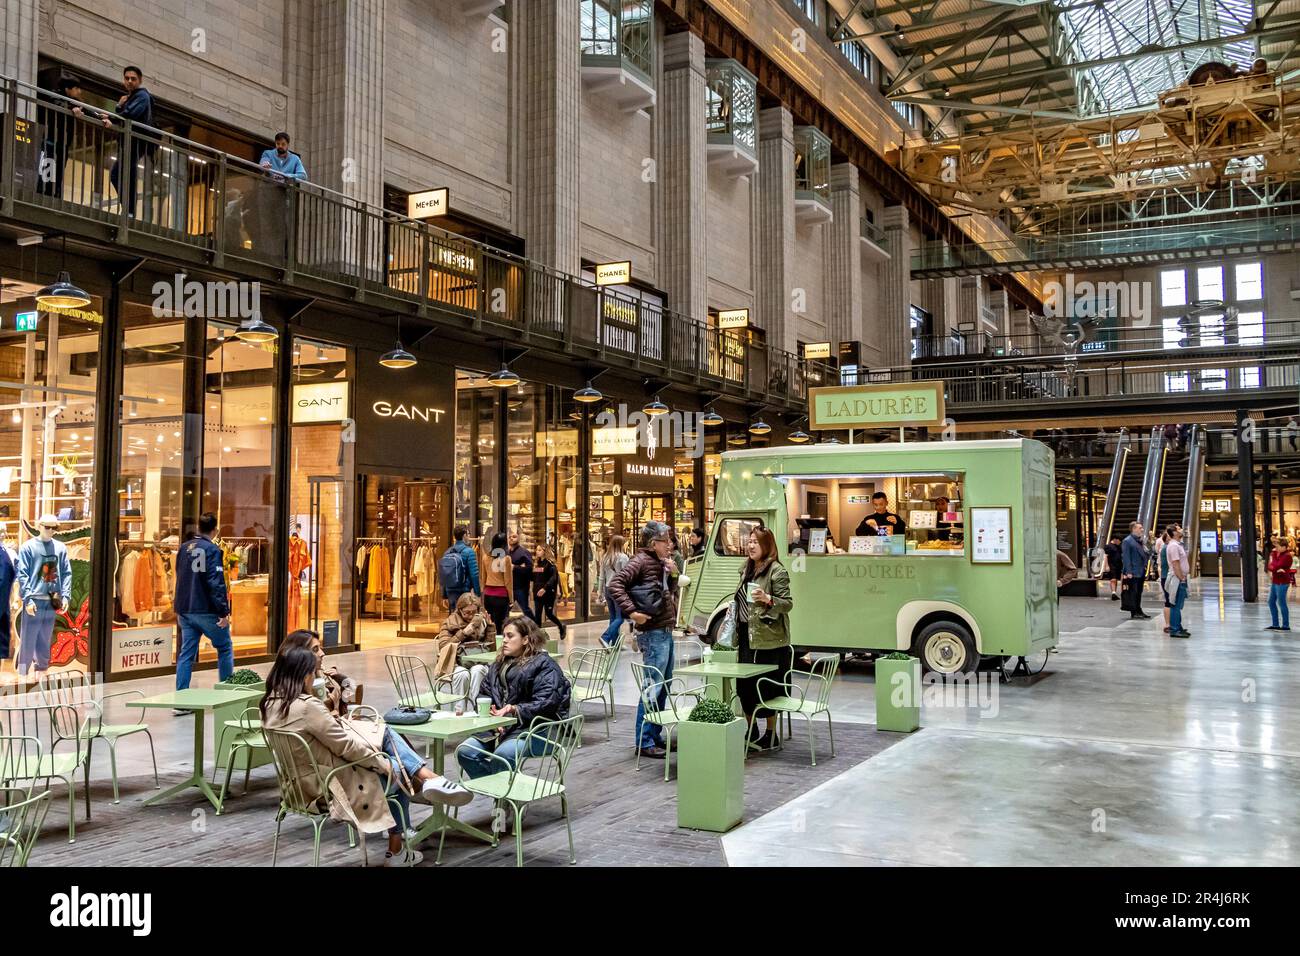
225 210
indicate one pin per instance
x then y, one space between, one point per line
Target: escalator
1166 490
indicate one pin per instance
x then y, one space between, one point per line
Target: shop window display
321 493
201 441
48 384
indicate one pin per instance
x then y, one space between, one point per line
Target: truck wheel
711 636
946 647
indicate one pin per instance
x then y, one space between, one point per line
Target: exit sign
26 321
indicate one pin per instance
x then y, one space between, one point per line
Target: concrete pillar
893 328
775 227
19 30
345 136
971 301
684 175
844 258
550 81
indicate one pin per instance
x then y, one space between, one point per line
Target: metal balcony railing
1106 342
1246 372
102 178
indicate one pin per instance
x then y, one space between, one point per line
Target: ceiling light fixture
62 294
799 437
504 378
759 427
655 407
587 394
256 331
711 418
396 357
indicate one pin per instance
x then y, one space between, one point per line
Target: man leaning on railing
136 105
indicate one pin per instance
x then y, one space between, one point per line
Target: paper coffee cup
484 706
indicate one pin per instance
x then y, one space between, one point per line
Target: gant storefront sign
405 417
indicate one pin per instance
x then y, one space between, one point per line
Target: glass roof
1124 28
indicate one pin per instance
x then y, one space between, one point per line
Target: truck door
715 575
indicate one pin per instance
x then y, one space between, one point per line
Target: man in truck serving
883 521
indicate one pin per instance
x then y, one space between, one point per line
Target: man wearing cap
202 603
646 592
44 587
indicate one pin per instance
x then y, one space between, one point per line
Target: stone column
19 30
684 175
346 132
971 299
893 327
775 227
550 83
844 258
344 136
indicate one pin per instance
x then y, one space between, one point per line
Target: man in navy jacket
7 575
136 105
202 602
1135 570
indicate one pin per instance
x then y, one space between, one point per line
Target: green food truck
969 570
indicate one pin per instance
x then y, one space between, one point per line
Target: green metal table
197 702
724 671
439 730
479 657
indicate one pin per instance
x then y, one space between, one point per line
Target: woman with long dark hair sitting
524 682
391 769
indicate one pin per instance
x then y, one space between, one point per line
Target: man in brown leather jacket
646 576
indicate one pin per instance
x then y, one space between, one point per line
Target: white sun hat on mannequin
47 519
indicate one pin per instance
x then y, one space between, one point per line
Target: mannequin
299 562
44 579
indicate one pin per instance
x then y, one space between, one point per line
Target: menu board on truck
990 534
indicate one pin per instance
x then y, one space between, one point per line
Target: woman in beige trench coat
387 769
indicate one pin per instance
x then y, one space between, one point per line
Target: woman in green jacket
762 614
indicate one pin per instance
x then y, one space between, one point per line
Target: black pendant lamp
61 293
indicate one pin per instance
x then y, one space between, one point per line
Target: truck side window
732 538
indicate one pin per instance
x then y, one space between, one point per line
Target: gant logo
411 412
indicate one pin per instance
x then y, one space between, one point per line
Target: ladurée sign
876 406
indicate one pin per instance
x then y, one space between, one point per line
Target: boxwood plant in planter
898 692
711 768
223 735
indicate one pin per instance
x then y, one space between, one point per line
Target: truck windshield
891 514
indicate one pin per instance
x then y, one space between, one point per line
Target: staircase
1173 487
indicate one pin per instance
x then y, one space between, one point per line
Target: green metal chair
21 817
283 744
650 679
590 671
810 700
416 685
78 690
520 789
248 736
33 716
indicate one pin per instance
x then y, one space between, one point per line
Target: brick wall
730 242
447 106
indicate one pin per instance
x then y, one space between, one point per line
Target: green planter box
222 714
898 695
710 775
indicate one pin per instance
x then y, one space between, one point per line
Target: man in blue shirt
202 603
136 105
281 162
1135 571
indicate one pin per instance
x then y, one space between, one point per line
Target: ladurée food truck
969 570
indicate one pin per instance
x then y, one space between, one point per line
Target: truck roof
799 450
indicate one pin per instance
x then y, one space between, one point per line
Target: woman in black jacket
524 682
546 580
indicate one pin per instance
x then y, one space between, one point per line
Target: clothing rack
378 539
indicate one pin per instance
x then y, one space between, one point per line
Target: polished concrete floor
1134 750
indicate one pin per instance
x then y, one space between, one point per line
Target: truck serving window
880 514
733 536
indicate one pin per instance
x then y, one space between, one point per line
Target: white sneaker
406 857
443 791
